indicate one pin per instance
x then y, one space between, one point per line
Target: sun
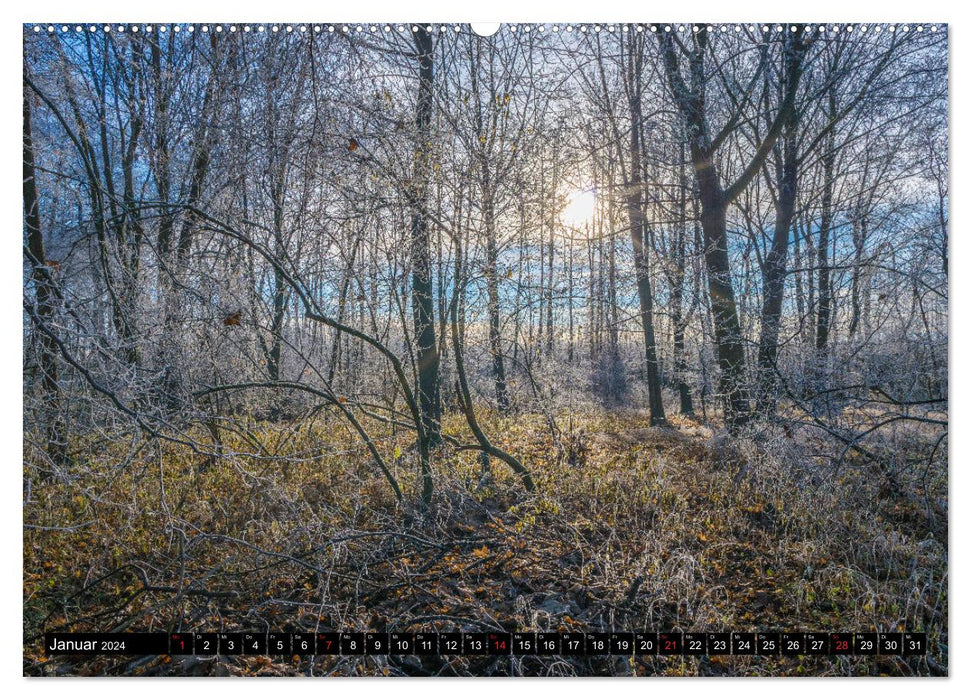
580 207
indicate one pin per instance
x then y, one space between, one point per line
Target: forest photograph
566 337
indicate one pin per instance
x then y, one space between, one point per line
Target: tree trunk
824 291
275 351
727 329
859 244
492 283
549 285
46 298
774 273
341 307
422 298
638 234
678 319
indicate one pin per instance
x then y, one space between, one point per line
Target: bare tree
716 197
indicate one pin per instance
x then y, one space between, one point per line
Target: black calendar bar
491 643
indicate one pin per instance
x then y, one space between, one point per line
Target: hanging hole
485 28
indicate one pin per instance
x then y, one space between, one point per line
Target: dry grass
630 528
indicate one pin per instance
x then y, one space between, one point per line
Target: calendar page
437 349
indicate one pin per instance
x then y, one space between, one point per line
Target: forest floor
630 528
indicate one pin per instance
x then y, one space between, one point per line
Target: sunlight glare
579 210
